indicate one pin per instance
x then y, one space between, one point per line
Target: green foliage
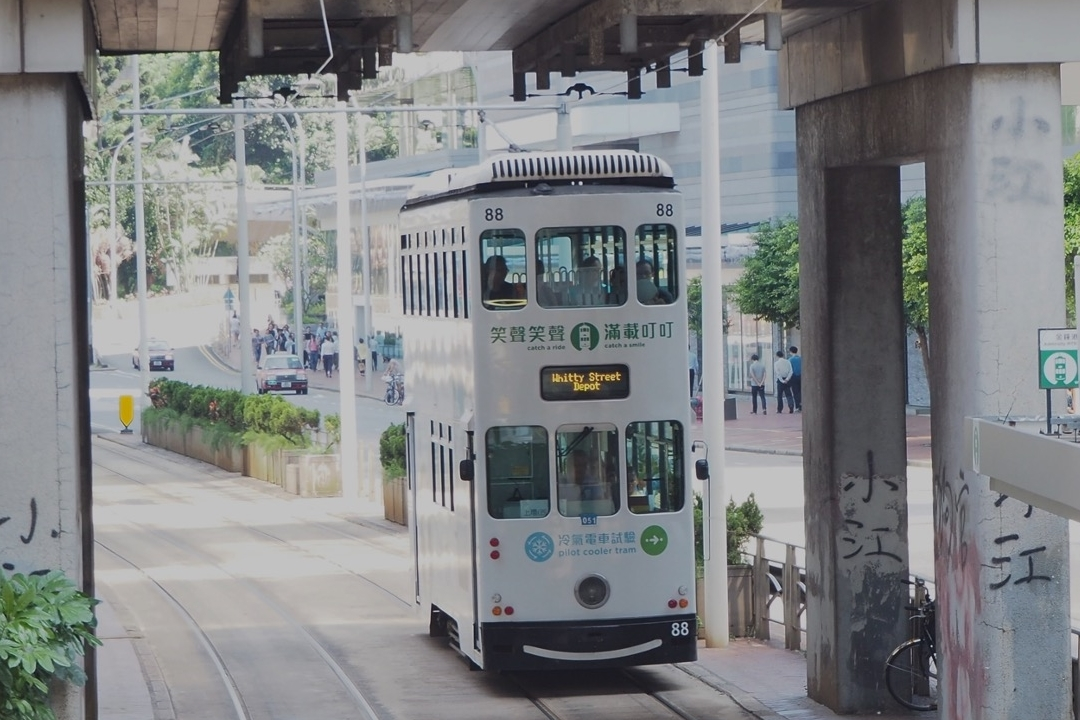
693 304
768 289
332 426
742 522
392 451
1072 231
45 624
916 284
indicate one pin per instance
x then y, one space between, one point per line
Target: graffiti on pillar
959 600
1018 566
23 527
871 508
1018 178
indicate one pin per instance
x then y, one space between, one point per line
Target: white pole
140 233
715 391
366 240
350 482
243 265
297 290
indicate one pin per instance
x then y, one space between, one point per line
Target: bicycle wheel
911 675
390 399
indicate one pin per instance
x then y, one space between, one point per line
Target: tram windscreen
584 382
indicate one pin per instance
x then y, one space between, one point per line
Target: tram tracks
658 692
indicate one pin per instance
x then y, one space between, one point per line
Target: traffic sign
1057 358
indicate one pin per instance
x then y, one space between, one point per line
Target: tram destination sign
584 382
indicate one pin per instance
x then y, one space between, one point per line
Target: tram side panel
439 357
535 566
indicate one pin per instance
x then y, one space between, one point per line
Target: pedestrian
256 345
694 370
337 351
757 385
374 352
796 376
327 352
782 373
312 352
234 329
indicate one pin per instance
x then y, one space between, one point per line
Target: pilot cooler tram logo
584 336
539 547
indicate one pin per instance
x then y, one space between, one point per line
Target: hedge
240 413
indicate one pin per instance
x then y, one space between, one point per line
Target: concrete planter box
740 601
395 500
304 474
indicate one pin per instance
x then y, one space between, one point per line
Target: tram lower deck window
654 467
517 472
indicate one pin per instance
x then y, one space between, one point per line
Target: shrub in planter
392 451
45 623
742 522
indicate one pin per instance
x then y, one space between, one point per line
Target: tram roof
557 167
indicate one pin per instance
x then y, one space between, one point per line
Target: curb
743 699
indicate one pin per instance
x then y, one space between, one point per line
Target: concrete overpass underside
970 87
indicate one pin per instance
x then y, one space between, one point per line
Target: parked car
281 372
161 355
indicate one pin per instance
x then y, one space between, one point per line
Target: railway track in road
660 692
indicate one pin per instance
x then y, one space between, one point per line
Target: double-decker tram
545 333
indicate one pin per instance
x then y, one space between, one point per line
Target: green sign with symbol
653 540
1058 368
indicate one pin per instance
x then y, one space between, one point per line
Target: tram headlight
592 591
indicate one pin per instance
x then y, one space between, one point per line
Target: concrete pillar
45 445
854 452
994 227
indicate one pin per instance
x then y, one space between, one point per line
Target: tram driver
583 480
495 286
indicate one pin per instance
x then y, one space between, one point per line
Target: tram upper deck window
502 271
588 469
656 264
518 484
654 467
581 266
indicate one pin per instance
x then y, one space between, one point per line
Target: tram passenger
544 294
495 286
649 293
617 286
588 291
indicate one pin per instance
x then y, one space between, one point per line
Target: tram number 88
664 210
493 214
680 629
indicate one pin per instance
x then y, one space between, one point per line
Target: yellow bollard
127 412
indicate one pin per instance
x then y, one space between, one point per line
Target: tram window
654 467
581 266
502 271
656 264
518 483
588 469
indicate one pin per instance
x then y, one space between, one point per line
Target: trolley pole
715 390
243 260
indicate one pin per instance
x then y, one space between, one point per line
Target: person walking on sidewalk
327 351
757 385
796 376
782 373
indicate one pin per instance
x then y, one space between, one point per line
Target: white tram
545 336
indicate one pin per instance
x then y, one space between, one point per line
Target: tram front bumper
607 644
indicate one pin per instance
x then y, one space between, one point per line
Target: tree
916 285
1072 231
768 289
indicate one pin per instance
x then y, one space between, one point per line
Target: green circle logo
654 540
584 336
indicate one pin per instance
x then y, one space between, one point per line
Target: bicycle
911 668
395 389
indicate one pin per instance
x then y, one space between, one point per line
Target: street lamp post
297 174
